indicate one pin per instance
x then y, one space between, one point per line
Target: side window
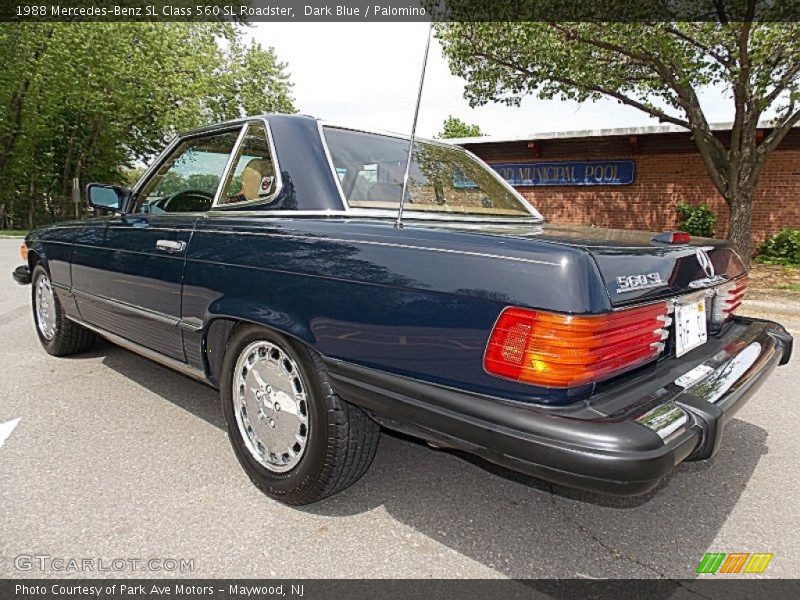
188 180
253 177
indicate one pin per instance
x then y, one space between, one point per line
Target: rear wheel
58 335
296 439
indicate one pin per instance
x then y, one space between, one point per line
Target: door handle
170 246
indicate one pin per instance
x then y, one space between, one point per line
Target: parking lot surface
114 456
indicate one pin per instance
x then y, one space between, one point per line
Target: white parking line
6 429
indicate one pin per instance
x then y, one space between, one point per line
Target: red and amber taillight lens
729 298
556 350
673 237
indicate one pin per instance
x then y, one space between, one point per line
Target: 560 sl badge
643 281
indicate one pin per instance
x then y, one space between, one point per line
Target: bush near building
696 219
783 248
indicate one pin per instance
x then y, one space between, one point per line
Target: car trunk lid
636 269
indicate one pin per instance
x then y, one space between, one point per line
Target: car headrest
253 178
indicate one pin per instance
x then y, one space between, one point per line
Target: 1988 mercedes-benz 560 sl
262 256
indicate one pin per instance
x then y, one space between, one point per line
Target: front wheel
297 440
58 335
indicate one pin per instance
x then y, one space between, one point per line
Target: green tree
453 127
254 81
658 68
92 100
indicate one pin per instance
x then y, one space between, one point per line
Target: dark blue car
262 256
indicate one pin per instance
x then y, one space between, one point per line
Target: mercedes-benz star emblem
705 263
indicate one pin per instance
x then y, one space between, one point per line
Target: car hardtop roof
303 117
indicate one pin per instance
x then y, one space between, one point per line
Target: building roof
587 133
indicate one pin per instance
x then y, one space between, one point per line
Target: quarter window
188 180
253 177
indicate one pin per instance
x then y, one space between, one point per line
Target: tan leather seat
252 177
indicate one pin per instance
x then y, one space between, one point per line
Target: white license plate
690 325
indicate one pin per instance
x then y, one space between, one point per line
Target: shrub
783 248
696 220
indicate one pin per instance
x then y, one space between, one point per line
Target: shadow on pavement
192 396
517 525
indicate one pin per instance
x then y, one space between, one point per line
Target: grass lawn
13 232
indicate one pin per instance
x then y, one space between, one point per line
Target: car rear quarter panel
416 302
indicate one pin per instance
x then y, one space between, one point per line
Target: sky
367 74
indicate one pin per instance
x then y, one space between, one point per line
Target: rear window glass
442 179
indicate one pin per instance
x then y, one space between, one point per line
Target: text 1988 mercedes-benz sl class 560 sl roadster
262 256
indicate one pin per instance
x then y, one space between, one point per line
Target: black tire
69 337
342 439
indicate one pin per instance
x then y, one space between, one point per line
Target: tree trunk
740 212
32 205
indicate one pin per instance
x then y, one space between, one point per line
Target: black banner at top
400 10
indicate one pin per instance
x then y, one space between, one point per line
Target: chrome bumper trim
666 420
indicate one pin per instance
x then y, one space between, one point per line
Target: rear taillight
673 237
729 298
558 350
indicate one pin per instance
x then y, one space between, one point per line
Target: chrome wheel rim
271 406
45 308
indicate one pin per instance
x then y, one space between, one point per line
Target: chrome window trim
153 168
276 213
228 164
156 228
373 213
535 214
276 167
332 167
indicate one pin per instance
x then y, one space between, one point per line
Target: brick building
632 178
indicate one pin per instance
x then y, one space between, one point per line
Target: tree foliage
453 127
91 100
658 68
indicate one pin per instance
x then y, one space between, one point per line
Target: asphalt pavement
116 457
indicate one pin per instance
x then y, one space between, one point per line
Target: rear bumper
624 441
22 275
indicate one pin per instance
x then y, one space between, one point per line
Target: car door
127 279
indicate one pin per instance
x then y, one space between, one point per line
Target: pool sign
580 172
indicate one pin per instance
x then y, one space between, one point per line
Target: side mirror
109 198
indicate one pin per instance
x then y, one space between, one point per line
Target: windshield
442 179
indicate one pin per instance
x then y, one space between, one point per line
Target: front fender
51 247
